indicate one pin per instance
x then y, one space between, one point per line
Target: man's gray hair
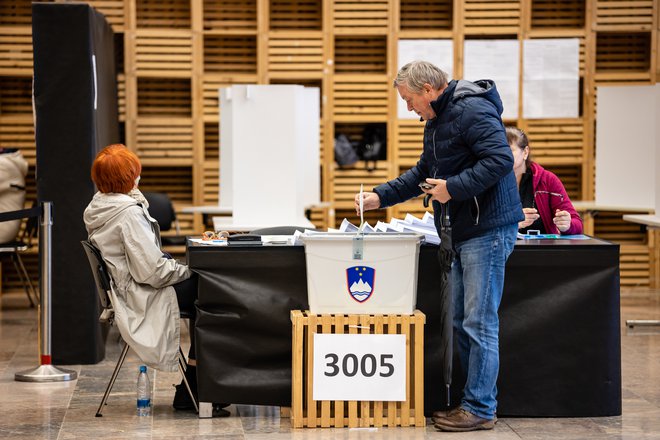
417 73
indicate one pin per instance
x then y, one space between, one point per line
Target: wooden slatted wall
491 17
558 14
426 14
16 120
624 14
634 251
230 15
360 16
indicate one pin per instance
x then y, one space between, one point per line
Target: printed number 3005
350 365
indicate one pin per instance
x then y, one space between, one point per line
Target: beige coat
145 305
13 169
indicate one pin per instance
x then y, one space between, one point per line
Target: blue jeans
477 280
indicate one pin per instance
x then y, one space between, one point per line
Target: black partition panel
75 94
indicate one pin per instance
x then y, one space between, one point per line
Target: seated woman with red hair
148 286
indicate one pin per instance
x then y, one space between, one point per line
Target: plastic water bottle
143 393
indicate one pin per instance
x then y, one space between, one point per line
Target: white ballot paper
497 60
423 226
438 52
551 76
361 205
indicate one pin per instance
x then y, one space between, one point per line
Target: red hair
115 169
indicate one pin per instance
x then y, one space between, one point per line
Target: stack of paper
424 226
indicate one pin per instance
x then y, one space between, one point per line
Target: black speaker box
75 96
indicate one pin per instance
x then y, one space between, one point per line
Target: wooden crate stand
309 413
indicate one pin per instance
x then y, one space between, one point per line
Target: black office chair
14 248
103 285
162 210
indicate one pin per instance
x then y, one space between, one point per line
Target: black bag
374 144
345 154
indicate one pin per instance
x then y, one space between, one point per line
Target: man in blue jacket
467 159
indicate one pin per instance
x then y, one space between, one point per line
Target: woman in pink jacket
545 203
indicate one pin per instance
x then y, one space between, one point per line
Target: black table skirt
559 327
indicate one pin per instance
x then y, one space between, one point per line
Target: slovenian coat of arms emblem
360 282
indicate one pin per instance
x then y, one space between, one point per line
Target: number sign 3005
359 367
367 365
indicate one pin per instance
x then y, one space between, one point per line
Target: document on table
278 239
551 237
208 242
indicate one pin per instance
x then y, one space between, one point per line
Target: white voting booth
628 156
628 147
269 155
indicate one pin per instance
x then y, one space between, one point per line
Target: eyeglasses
561 196
210 235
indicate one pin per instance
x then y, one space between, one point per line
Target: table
590 205
652 222
559 337
589 209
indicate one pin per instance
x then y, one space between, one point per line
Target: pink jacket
547 188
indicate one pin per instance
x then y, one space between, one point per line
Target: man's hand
370 200
439 192
531 215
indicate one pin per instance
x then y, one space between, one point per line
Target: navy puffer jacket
466 145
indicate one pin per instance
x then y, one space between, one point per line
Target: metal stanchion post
45 372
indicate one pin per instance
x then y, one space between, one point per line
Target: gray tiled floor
66 410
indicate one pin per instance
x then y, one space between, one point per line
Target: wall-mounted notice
551 76
438 52
497 60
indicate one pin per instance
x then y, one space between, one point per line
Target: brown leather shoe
462 420
443 414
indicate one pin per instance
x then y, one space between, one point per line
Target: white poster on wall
627 149
551 78
497 60
438 52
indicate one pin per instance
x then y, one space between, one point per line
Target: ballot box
362 273
341 378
